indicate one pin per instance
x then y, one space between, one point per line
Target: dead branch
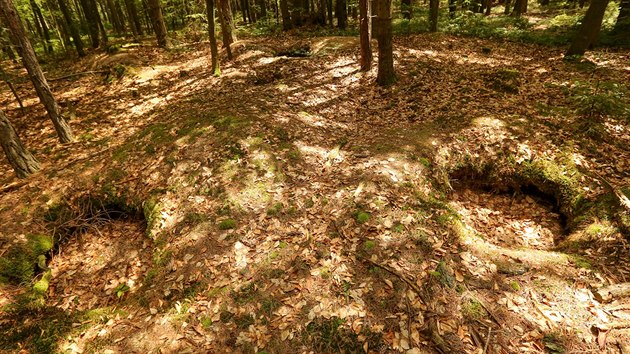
79 74
608 293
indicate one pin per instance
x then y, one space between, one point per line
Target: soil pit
517 220
91 268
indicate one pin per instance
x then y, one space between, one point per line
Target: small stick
485 348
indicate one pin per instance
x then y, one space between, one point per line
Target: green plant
605 99
227 224
362 217
121 289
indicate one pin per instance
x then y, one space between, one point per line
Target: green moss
18 265
473 310
275 209
369 245
581 262
362 217
227 224
515 285
152 210
333 336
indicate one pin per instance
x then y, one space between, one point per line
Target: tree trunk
434 8
488 6
227 24
214 50
452 8
286 16
365 29
39 17
74 32
520 7
329 8
623 20
405 9
342 14
506 10
119 28
22 161
134 19
157 20
10 17
383 33
89 9
589 31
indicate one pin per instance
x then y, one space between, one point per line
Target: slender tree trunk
452 8
7 80
89 9
10 17
406 9
329 7
365 29
22 161
157 20
383 33
342 14
623 20
488 7
119 28
434 8
214 50
506 10
40 24
286 16
74 32
591 25
227 24
134 19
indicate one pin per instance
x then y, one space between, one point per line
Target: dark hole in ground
520 216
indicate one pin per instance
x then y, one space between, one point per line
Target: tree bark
91 13
39 17
406 9
157 20
214 50
365 29
227 24
22 161
623 20
9 15
383 33
74 32
589 31
286 16
342 14
434 8
134 19
452 8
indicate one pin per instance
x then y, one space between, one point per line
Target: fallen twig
79 74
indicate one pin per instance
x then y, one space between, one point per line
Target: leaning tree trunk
365 26
434 8
591 25
22 161
214 50
74 32
155 10
10 17
383 33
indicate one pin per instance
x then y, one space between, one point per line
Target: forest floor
290 205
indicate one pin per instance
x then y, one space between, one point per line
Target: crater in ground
519 219
103 256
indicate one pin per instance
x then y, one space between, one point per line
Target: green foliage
18 265
606 99
473 310
121 289
332 336
362 216
506 80
227 224
369 245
